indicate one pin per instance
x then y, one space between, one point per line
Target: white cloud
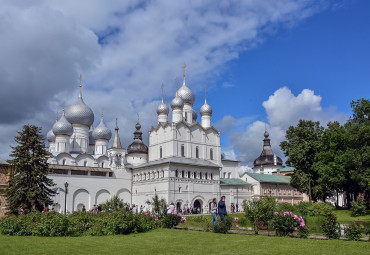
283 109
125 50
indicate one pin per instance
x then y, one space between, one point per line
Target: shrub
285 223
330 227
51 224
320 209
286 207
171 220
259 212
81 222
223 226
113 204
358 208
302 207
353 232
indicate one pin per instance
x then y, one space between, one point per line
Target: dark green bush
320 209
51 224
286 207
171 220
259 212
223 226
302 208
353 232
358 208
330 227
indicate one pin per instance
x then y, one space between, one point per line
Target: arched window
177 173
85 163
197 152
200 175
160 152
189 174
64 162
195 175
182 150
211 154
211 176
206 176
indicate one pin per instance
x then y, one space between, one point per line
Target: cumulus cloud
283 109
125 49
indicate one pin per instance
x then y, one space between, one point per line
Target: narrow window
182 150
211 154
102 164
85 163
211 176
197 152
160 152
189 174
177 173
64 162
206 176
195 175
200 175
182 174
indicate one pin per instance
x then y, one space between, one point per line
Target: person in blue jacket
222 208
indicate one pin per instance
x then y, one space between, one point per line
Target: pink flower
276 213
174 213
237 226
295 217
295 229
302 224
179 214
236 219
146 213
183 219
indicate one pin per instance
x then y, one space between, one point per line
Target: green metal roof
270 178
286 169
233 181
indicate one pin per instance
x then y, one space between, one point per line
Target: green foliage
259 211
301 145
77 224
285 223
302 207
171 220
358 208
113 204
353 232
223 226
320 209
286 207
330 227
159 206
29 186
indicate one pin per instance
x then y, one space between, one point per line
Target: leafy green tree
159 206
330 162
29 186
113 204
301 146
259 211
358 150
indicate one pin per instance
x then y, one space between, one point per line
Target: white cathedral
182 163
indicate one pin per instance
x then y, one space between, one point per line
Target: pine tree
29 185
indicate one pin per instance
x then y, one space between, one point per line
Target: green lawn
344 216
165 241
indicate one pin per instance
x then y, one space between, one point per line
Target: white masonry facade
182 163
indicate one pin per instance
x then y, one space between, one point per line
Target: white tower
206 113
176 105
102 135
116 152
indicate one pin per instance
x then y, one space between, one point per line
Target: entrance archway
197 206
178 207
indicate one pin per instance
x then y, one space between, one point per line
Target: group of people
219 209
134 208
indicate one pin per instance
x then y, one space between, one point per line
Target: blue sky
265 63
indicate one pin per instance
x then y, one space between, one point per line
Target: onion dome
267 156
206 109
101 131
177 102
91 138
80 113
163 109
50 136
137 145
62 127
195 116
185 93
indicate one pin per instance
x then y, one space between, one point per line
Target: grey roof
62 127
116 141
267 156
137 146
177 102
80 168
50 136
102 132
80 113
179 160
186 94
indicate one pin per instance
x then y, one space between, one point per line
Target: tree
330 162
29 185
259 211
113 204
159 206
301 145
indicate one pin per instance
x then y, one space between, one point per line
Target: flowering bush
224 226
285 223
173 219
331 227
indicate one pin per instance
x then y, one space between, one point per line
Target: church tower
188 98
116 152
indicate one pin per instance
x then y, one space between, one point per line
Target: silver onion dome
62 127
195 116
80 113
50 136
206 109
163 109
177 102
102 132
186 94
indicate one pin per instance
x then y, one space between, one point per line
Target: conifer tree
29 185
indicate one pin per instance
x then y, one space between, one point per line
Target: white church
182 163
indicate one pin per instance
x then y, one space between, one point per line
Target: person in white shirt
171 208
214 211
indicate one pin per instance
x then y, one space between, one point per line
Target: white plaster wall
79 140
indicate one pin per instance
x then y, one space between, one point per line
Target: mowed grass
171 241
344 216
